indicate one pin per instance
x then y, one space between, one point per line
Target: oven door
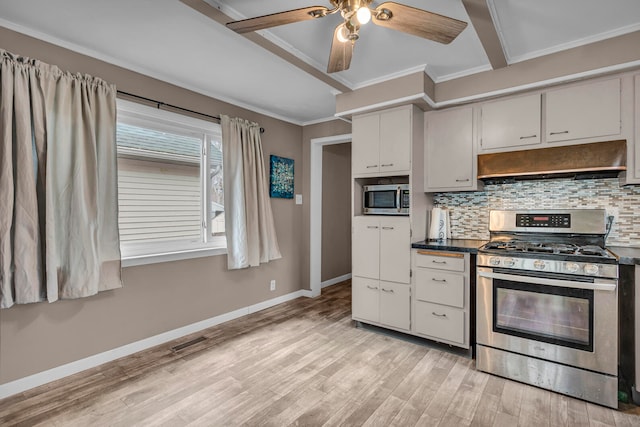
550 316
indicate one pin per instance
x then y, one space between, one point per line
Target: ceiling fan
355 13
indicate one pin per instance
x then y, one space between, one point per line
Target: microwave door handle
597 286
399 199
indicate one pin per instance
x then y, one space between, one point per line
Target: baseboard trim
35 380
335 280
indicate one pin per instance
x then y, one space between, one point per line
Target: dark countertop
453 245
626 255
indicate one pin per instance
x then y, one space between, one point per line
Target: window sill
134 260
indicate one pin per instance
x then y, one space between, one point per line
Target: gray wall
160 297
336 211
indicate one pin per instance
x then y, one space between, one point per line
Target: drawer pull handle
372 166
372 226
387 290
387 165
372 287
462 180
438 280
387 228
438 262
529 136
558 133
438 315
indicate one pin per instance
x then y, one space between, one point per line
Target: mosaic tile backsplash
469 211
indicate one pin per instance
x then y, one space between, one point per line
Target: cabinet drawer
440 287
440 322
444 261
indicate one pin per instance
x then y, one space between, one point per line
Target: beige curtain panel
58 184
250 231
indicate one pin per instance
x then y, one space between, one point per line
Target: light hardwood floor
300 363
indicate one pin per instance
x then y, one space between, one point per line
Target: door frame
315 208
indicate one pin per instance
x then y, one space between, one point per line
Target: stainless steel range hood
597 160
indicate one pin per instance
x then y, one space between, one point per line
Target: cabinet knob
387 165
438 315
438 280
372 226
372 287
438 262
558 133
387 228
529 136
372 166
462 180
390 291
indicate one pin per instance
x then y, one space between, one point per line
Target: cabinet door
510 123
395 305
395 140
637 139
366 247
449 149
395 249
365 144
365 301
584 111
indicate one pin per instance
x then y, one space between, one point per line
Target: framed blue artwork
281 177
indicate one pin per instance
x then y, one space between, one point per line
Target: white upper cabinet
585 111
395 141
381 142
449 151
510 123
365 146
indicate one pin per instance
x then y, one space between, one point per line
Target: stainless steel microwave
391 199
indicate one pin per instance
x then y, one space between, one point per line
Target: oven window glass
381 199
552 314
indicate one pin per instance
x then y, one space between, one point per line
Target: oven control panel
543 220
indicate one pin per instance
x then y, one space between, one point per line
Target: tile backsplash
469 211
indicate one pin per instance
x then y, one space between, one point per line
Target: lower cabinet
442 288
436 305
381 303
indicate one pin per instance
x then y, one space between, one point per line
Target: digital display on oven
538 220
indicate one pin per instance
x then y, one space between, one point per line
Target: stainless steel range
547 302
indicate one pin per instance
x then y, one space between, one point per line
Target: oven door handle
597 286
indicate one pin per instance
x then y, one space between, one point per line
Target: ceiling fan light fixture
364 15
343 33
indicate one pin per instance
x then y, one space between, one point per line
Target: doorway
316 208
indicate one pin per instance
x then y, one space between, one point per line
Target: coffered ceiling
281 71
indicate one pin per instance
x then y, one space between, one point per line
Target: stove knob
591 269
572 267
539 264
494 260
509 262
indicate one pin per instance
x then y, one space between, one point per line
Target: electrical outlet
273 285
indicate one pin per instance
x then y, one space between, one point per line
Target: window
170 186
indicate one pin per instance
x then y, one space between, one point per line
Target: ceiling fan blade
276 19
341 52
418 22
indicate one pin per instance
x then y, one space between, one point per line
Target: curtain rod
160 104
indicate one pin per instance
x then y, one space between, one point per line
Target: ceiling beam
221 18
478 12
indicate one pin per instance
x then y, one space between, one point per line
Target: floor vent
187 344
